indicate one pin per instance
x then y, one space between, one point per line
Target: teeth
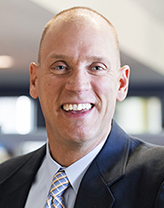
77 107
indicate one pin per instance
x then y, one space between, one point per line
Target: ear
124 73
33 80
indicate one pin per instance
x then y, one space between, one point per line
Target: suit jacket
127 173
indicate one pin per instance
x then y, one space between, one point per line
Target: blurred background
140 27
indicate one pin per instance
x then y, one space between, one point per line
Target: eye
59 67
98 68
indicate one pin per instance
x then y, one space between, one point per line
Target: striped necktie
59 184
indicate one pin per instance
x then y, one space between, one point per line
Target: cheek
50 91
105 87
106 91
47 86
45 90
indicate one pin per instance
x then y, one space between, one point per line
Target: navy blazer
127 173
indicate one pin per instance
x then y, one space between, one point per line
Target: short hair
76 13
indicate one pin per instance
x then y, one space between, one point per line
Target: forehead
81 20
93 35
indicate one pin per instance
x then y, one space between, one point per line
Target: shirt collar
75 172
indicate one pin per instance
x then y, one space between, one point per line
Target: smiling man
78 79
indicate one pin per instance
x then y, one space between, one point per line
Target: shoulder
146 156
145 149
14 164
136 151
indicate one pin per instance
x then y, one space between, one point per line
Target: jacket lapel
21 179
93 192
107 168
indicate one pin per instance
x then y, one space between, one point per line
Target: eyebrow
88 58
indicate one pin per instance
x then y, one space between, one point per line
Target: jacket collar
106 169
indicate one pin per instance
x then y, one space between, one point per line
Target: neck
67 151
67 155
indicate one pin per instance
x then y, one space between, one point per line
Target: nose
78 81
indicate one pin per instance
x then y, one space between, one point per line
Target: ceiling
140 26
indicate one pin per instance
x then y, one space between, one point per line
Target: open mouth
77 107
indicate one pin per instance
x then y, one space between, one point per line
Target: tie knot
59 184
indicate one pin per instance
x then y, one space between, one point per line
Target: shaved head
78 15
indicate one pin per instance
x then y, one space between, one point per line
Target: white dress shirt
75 172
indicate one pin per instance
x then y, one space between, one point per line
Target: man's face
77 82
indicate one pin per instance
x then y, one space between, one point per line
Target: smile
77 107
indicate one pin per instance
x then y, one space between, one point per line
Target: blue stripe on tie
59 184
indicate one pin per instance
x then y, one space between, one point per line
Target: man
78 79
